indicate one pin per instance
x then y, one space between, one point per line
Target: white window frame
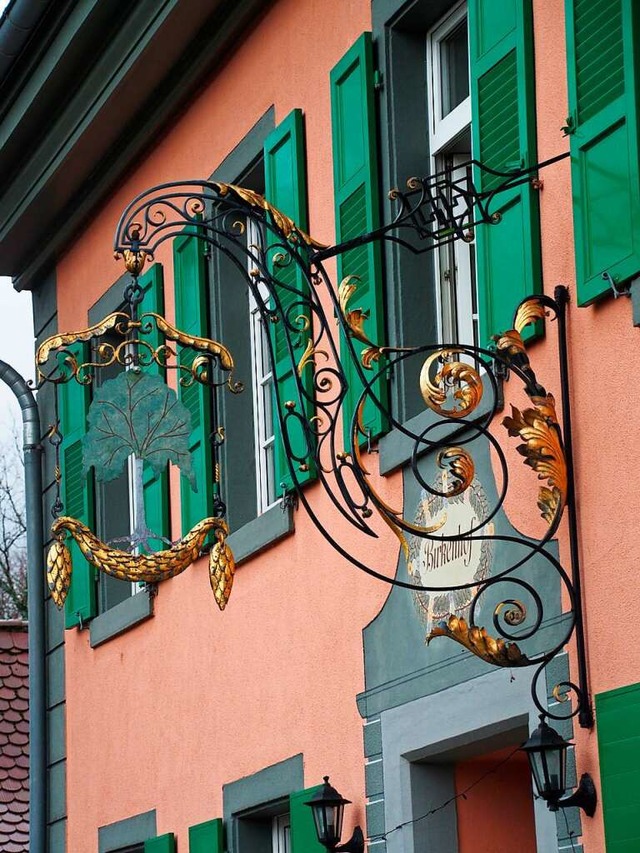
457 316
281 842
262 380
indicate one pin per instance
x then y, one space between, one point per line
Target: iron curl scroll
319 328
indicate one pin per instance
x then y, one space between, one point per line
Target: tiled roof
14 738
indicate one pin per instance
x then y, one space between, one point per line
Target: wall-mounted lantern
327 806
547 754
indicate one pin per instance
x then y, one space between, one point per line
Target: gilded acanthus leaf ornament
528 313
543 452
479 642
456 378
220 351
283 222
151 568
459 463
355 319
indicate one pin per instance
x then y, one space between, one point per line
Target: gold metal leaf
309 356
479 642
510 343
461 467
354 317
283 222
59 572
222 567
528 313
150 568
215 348
452 374
543 452
64 340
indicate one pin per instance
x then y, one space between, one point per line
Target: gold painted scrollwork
479 642
214 348
458 375
64 340
283 222
543 452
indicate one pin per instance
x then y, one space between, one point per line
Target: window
449 113
433 117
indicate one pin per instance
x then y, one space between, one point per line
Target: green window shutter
357 210
192 317
286 189
161 844
207 837
503 130
156 486
77 490
618 722
303 831
602 44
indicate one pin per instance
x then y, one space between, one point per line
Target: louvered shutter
602 63
618 718
192 317
303 833
77 490
286 188
155 486
207 837
504 138
161 844
357 210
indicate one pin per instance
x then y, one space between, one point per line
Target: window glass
454 67
449 111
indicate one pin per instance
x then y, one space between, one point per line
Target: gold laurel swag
150 568
60 341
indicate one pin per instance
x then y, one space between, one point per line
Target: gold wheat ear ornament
222 567
59 571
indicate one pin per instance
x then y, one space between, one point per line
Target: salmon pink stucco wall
195 698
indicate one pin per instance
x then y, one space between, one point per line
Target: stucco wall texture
192 699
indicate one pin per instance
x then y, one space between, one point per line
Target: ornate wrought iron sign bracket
322 331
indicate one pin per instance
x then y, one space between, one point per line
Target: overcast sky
16 348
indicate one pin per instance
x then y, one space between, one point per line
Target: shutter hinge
378 80
614 284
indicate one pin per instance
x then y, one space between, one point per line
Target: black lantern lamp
547 754
327 806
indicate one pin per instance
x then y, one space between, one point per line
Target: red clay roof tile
14 738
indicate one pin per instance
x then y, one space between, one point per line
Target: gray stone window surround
250 803
422 738
253 534
127 835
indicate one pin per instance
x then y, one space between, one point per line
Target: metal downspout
32 450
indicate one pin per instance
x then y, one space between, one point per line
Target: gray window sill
396 448
129 613
263 531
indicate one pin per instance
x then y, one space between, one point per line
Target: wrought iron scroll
460 385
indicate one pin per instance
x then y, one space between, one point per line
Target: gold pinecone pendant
59 571
222 568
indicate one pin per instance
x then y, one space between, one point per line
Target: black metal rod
585 713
